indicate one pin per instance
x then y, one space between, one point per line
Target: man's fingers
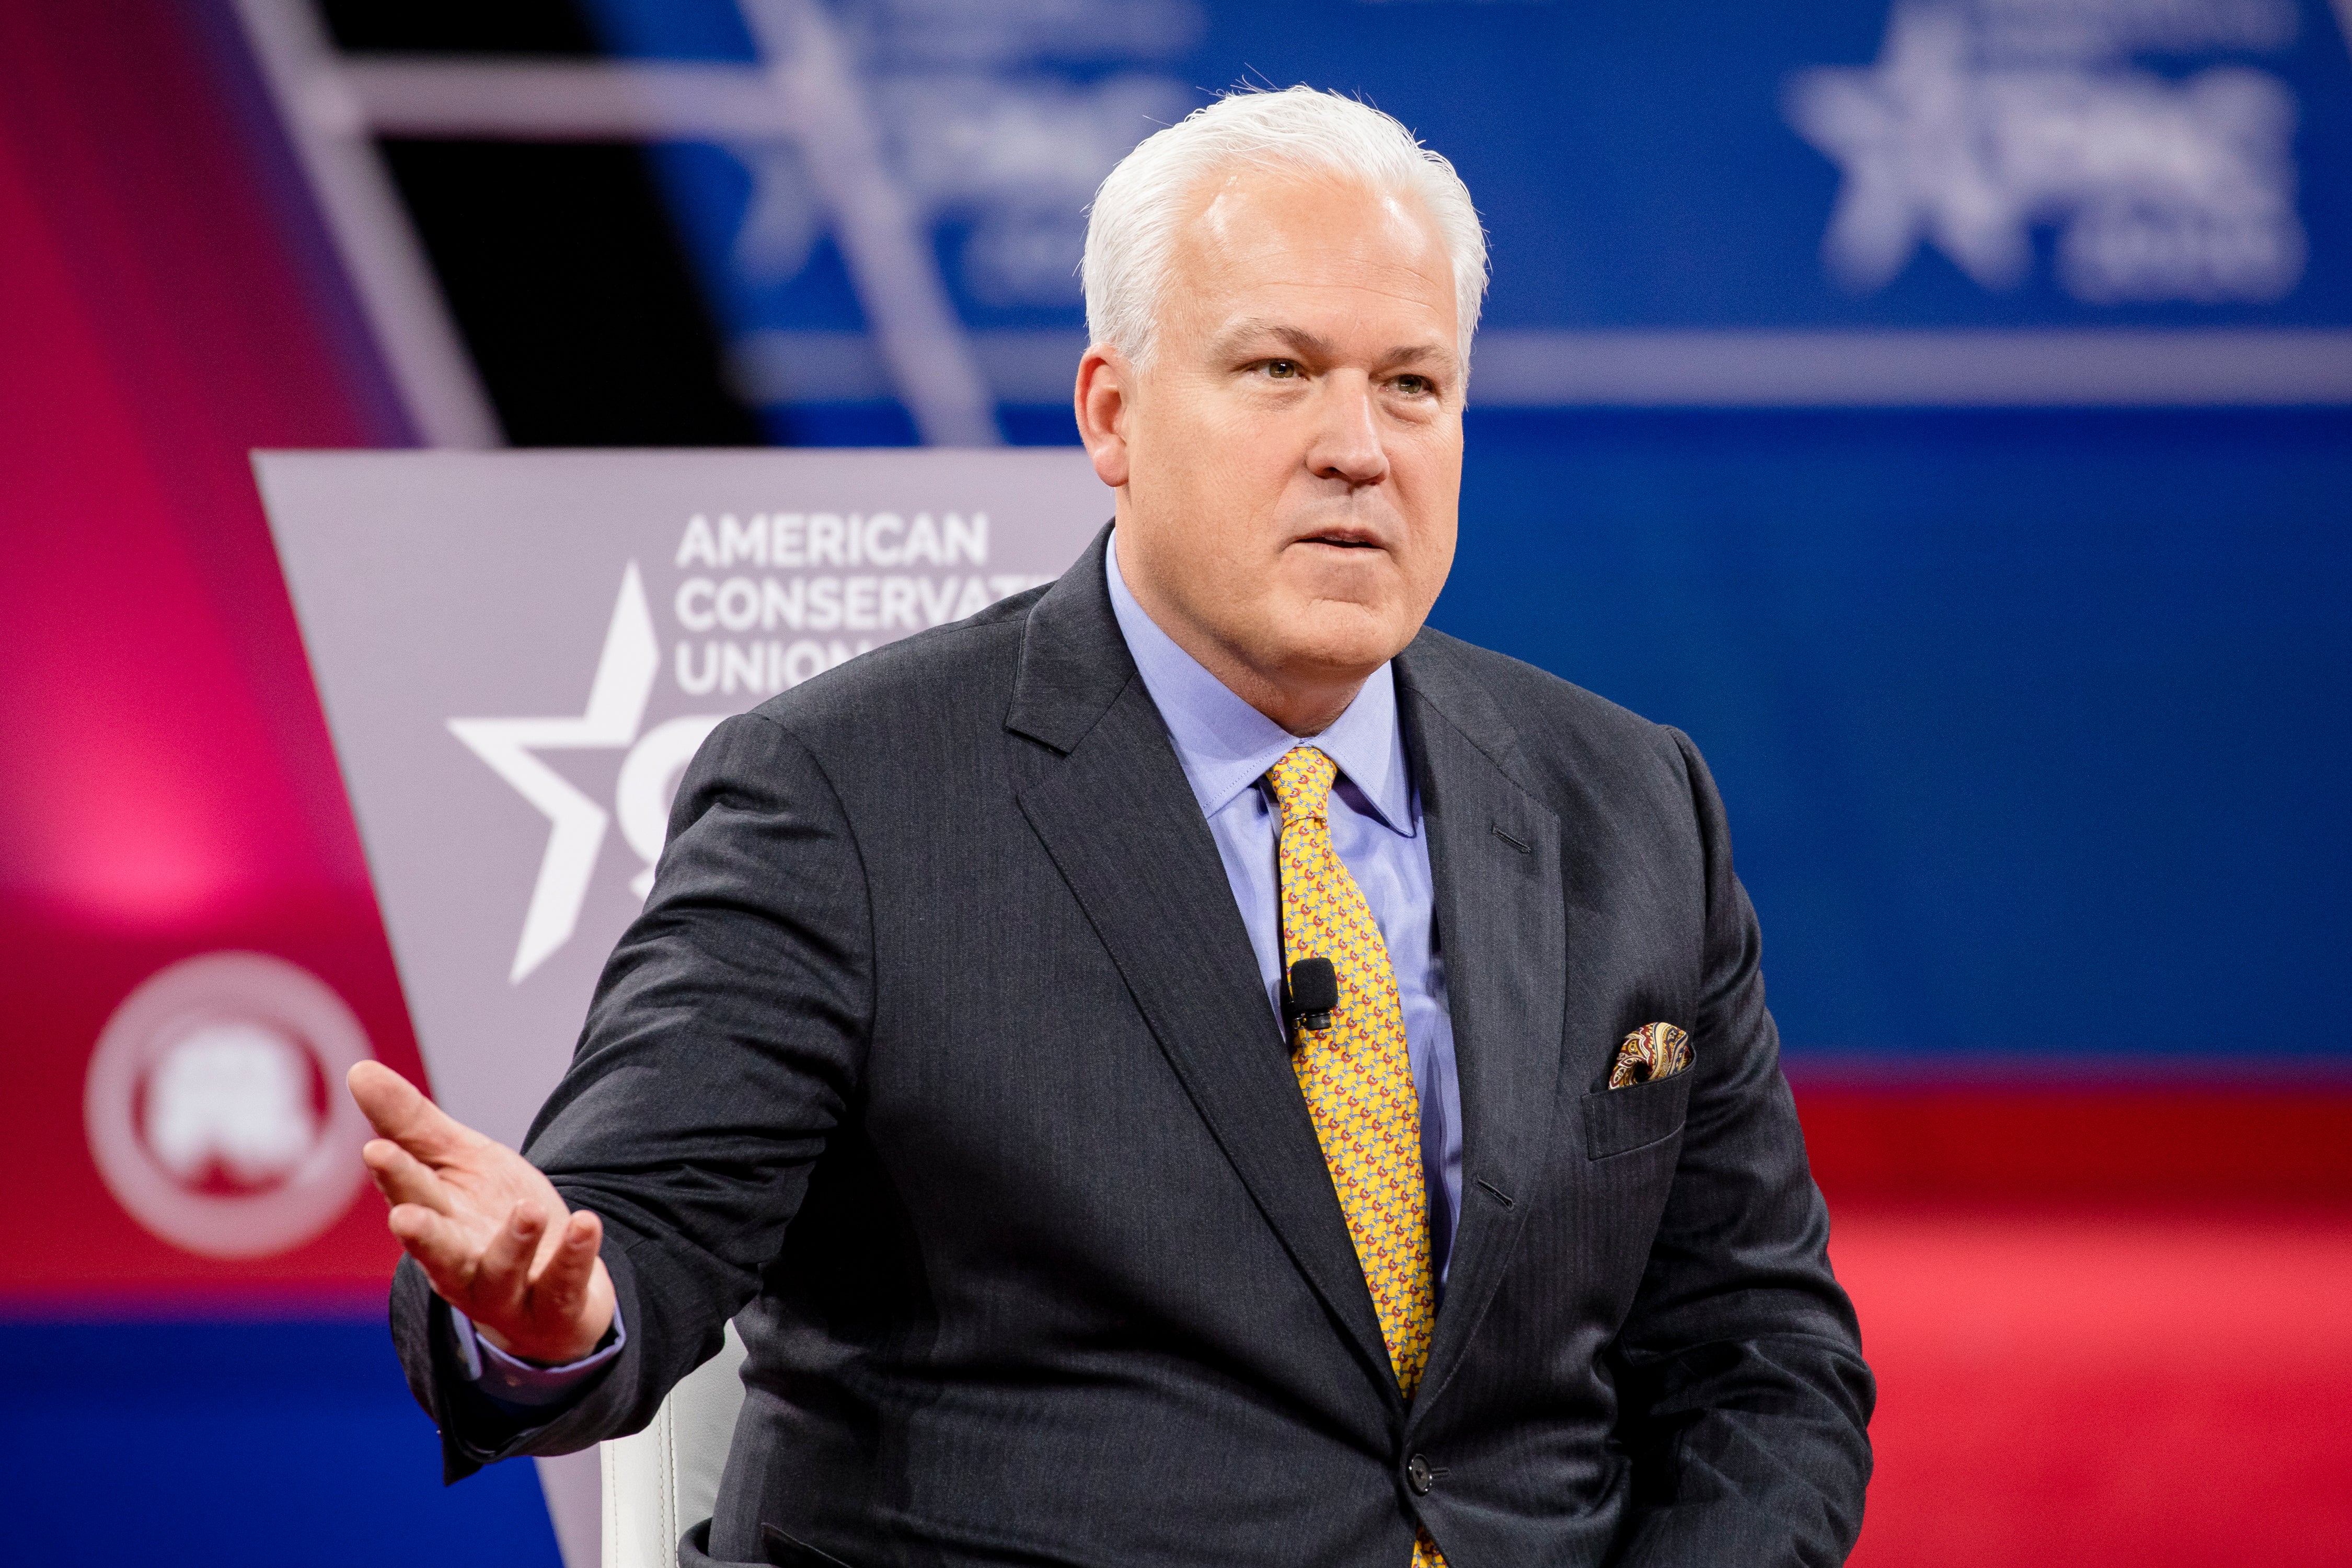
551 1240
398 1110
402 1178
504 1276
437 1244
562 1283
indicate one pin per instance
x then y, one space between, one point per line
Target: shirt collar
1225 746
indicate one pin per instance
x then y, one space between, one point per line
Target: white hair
1131 228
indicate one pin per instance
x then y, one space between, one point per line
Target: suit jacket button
1419 1475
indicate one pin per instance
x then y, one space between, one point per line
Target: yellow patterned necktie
1357 1076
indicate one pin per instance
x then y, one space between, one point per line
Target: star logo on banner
617 707
1909 136
2160 188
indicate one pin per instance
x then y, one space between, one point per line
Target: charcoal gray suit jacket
939 1056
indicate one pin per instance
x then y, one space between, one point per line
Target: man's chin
1340 637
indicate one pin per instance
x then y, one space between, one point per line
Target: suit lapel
1495 855
1123 829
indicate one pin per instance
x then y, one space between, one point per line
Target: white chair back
661 1482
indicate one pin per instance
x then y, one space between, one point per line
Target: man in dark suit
1188 1066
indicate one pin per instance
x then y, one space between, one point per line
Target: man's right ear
1101 399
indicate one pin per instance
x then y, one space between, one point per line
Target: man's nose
1347 443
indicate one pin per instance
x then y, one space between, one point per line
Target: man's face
1290 464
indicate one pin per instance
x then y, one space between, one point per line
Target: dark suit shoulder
952 675
1554 724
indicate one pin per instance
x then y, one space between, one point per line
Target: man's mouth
1343 539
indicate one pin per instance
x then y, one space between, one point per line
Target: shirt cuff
516 1385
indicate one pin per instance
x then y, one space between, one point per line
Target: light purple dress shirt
1225 747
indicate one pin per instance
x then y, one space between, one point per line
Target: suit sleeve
725 1041
1745 1400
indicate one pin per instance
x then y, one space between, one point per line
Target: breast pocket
1622 1121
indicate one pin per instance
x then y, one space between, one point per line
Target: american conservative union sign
519 653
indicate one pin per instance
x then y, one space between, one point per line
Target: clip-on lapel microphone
1310 992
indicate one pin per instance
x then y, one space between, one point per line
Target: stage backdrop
2030 717
1846 202
520 652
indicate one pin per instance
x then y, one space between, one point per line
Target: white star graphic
1911 137
625 672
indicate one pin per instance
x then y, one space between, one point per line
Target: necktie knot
1302 785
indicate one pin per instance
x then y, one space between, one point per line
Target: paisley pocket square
1651 1051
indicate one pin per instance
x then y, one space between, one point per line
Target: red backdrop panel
167 786
2104 1390
2176 1143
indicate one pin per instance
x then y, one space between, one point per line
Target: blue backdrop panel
247 1444
2033 726
2161 164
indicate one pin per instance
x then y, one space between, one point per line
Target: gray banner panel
519 652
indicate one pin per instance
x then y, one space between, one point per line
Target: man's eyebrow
1259 327
1416 352
1309 345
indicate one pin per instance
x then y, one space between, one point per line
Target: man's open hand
489 1229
